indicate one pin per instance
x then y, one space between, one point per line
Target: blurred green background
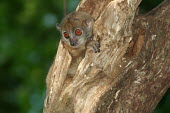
28 44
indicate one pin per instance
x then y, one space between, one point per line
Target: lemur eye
66 35
78 32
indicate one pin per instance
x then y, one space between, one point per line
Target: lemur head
76 28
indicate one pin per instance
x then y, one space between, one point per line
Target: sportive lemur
77 34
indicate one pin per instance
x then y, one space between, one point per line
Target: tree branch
130 74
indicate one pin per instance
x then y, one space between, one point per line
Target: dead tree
130 74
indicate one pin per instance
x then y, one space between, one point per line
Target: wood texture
129 75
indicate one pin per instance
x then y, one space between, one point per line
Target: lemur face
76 28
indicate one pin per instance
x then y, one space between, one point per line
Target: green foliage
28 43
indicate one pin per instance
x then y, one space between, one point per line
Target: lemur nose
72 44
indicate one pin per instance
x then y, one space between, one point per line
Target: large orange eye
66 35
78 32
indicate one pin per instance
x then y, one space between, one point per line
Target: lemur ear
89 22
58 27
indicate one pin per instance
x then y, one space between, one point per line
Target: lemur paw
94 45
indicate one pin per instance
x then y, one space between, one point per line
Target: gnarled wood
129 75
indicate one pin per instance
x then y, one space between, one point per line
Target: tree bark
130 74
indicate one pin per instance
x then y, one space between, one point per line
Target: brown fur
71 22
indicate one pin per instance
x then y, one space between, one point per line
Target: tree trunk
130 74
